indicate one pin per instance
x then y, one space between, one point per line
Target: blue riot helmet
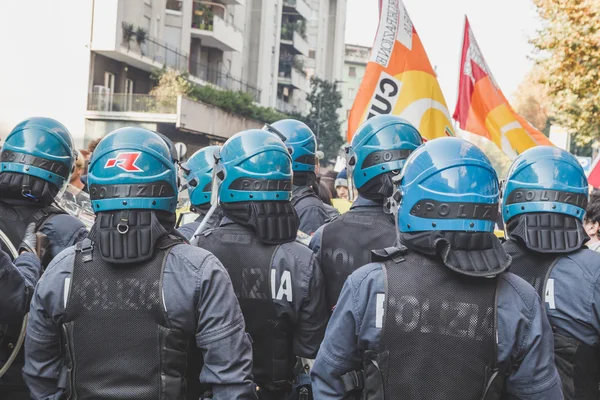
132 168
448 184
300 141
545 197
379 148
36 160
198 172
254 165
254 171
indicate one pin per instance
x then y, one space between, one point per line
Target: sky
502 29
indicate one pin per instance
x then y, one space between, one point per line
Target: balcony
293 78
294 42
297 7
215 32
233 2
184 113
207 74
132 103
133 46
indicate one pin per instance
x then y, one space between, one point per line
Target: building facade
355 64
90 63
326 33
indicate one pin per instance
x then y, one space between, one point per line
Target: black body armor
432 310
347 243
248 262
15 219
118 338
577 363
13 223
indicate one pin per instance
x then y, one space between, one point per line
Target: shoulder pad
207 232
395 254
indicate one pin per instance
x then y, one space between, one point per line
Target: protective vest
15 219
119 341
13 223
578 364
438 336
347 243
306 197
248 262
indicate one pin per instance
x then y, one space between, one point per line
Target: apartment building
326 31
355 63
90 63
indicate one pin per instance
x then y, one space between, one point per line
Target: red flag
483 109
594 175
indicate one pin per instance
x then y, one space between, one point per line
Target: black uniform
281 294
312 212
62 231
345 244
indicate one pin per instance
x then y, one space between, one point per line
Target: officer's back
118 315
277 281
302 145
544 202
378 151
438 317
36 161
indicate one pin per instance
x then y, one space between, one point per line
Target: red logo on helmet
125 161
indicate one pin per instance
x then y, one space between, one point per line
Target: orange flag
399 79
482 108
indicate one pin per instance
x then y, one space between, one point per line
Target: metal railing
159 52
123 102
284 107
222 79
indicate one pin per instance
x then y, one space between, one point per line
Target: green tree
325 101
570 45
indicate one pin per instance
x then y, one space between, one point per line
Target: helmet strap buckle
123 225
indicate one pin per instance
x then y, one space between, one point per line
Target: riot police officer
302 145
438 317
545 198
197 172
277 280
115 316
18 279
36 161
377 153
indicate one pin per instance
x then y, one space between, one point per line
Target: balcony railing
157 51
223 80
139 103
285 107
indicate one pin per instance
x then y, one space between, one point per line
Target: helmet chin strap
217 179
350 163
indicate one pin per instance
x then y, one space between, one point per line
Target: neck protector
548 232
18 186
214 220
275 222
129 236
478 254
379 188
304 178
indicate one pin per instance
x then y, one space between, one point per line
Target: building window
352 72
350 93
174 5
109 81
129 94
311 54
